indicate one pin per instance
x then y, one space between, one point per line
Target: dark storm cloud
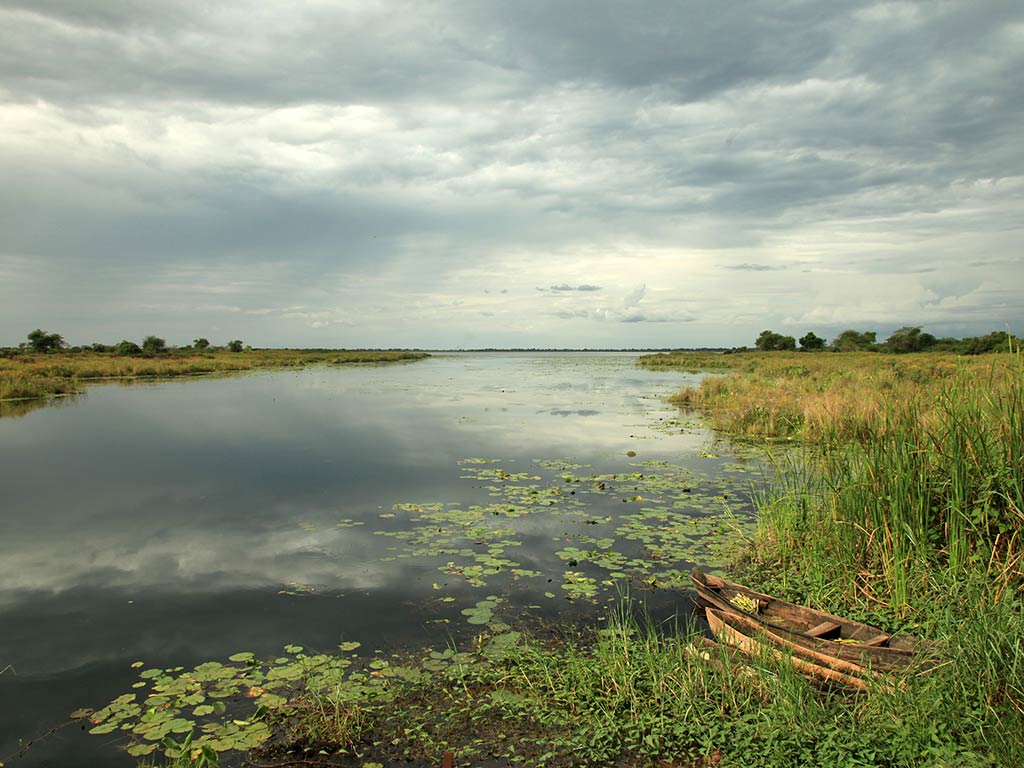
693 48
234 52
48 219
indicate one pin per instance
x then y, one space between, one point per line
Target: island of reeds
46 366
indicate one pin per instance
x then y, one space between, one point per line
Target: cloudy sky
513 173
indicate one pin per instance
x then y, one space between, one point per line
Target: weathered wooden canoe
817 631
756 640
763 632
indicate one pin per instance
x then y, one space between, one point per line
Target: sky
525 173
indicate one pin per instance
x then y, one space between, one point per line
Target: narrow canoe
814 630
731 629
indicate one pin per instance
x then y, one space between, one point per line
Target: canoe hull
843 639
733 630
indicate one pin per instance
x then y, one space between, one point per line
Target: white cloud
634 297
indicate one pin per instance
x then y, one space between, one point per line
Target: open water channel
182 521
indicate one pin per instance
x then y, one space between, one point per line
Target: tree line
41 341
903 340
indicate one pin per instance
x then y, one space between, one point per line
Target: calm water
182 521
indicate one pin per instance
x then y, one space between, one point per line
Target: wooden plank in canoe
877 640
825 628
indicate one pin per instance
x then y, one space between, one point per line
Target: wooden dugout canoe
753 639
816 631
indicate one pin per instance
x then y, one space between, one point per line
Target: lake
181 521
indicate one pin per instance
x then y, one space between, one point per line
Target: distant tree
97 347
126 348
909 339
235 346
771 341
41 341
949 344
811 342
990 342
854 341
154 345
201 343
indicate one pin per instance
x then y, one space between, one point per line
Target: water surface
181 521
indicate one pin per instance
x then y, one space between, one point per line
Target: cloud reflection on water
202 485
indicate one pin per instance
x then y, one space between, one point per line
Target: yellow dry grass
816 396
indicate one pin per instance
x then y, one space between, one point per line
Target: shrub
41 341
770 341
154 344
812 341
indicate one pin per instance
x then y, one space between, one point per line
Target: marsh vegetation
27 374
904 503
828 398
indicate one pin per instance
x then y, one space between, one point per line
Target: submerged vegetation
26 374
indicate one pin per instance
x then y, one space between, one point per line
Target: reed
689 361
19 385
912 463
938 485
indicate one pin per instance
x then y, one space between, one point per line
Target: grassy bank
826 397
905 506
910 467
28 375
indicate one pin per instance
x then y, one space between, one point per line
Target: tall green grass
919 525
939 486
